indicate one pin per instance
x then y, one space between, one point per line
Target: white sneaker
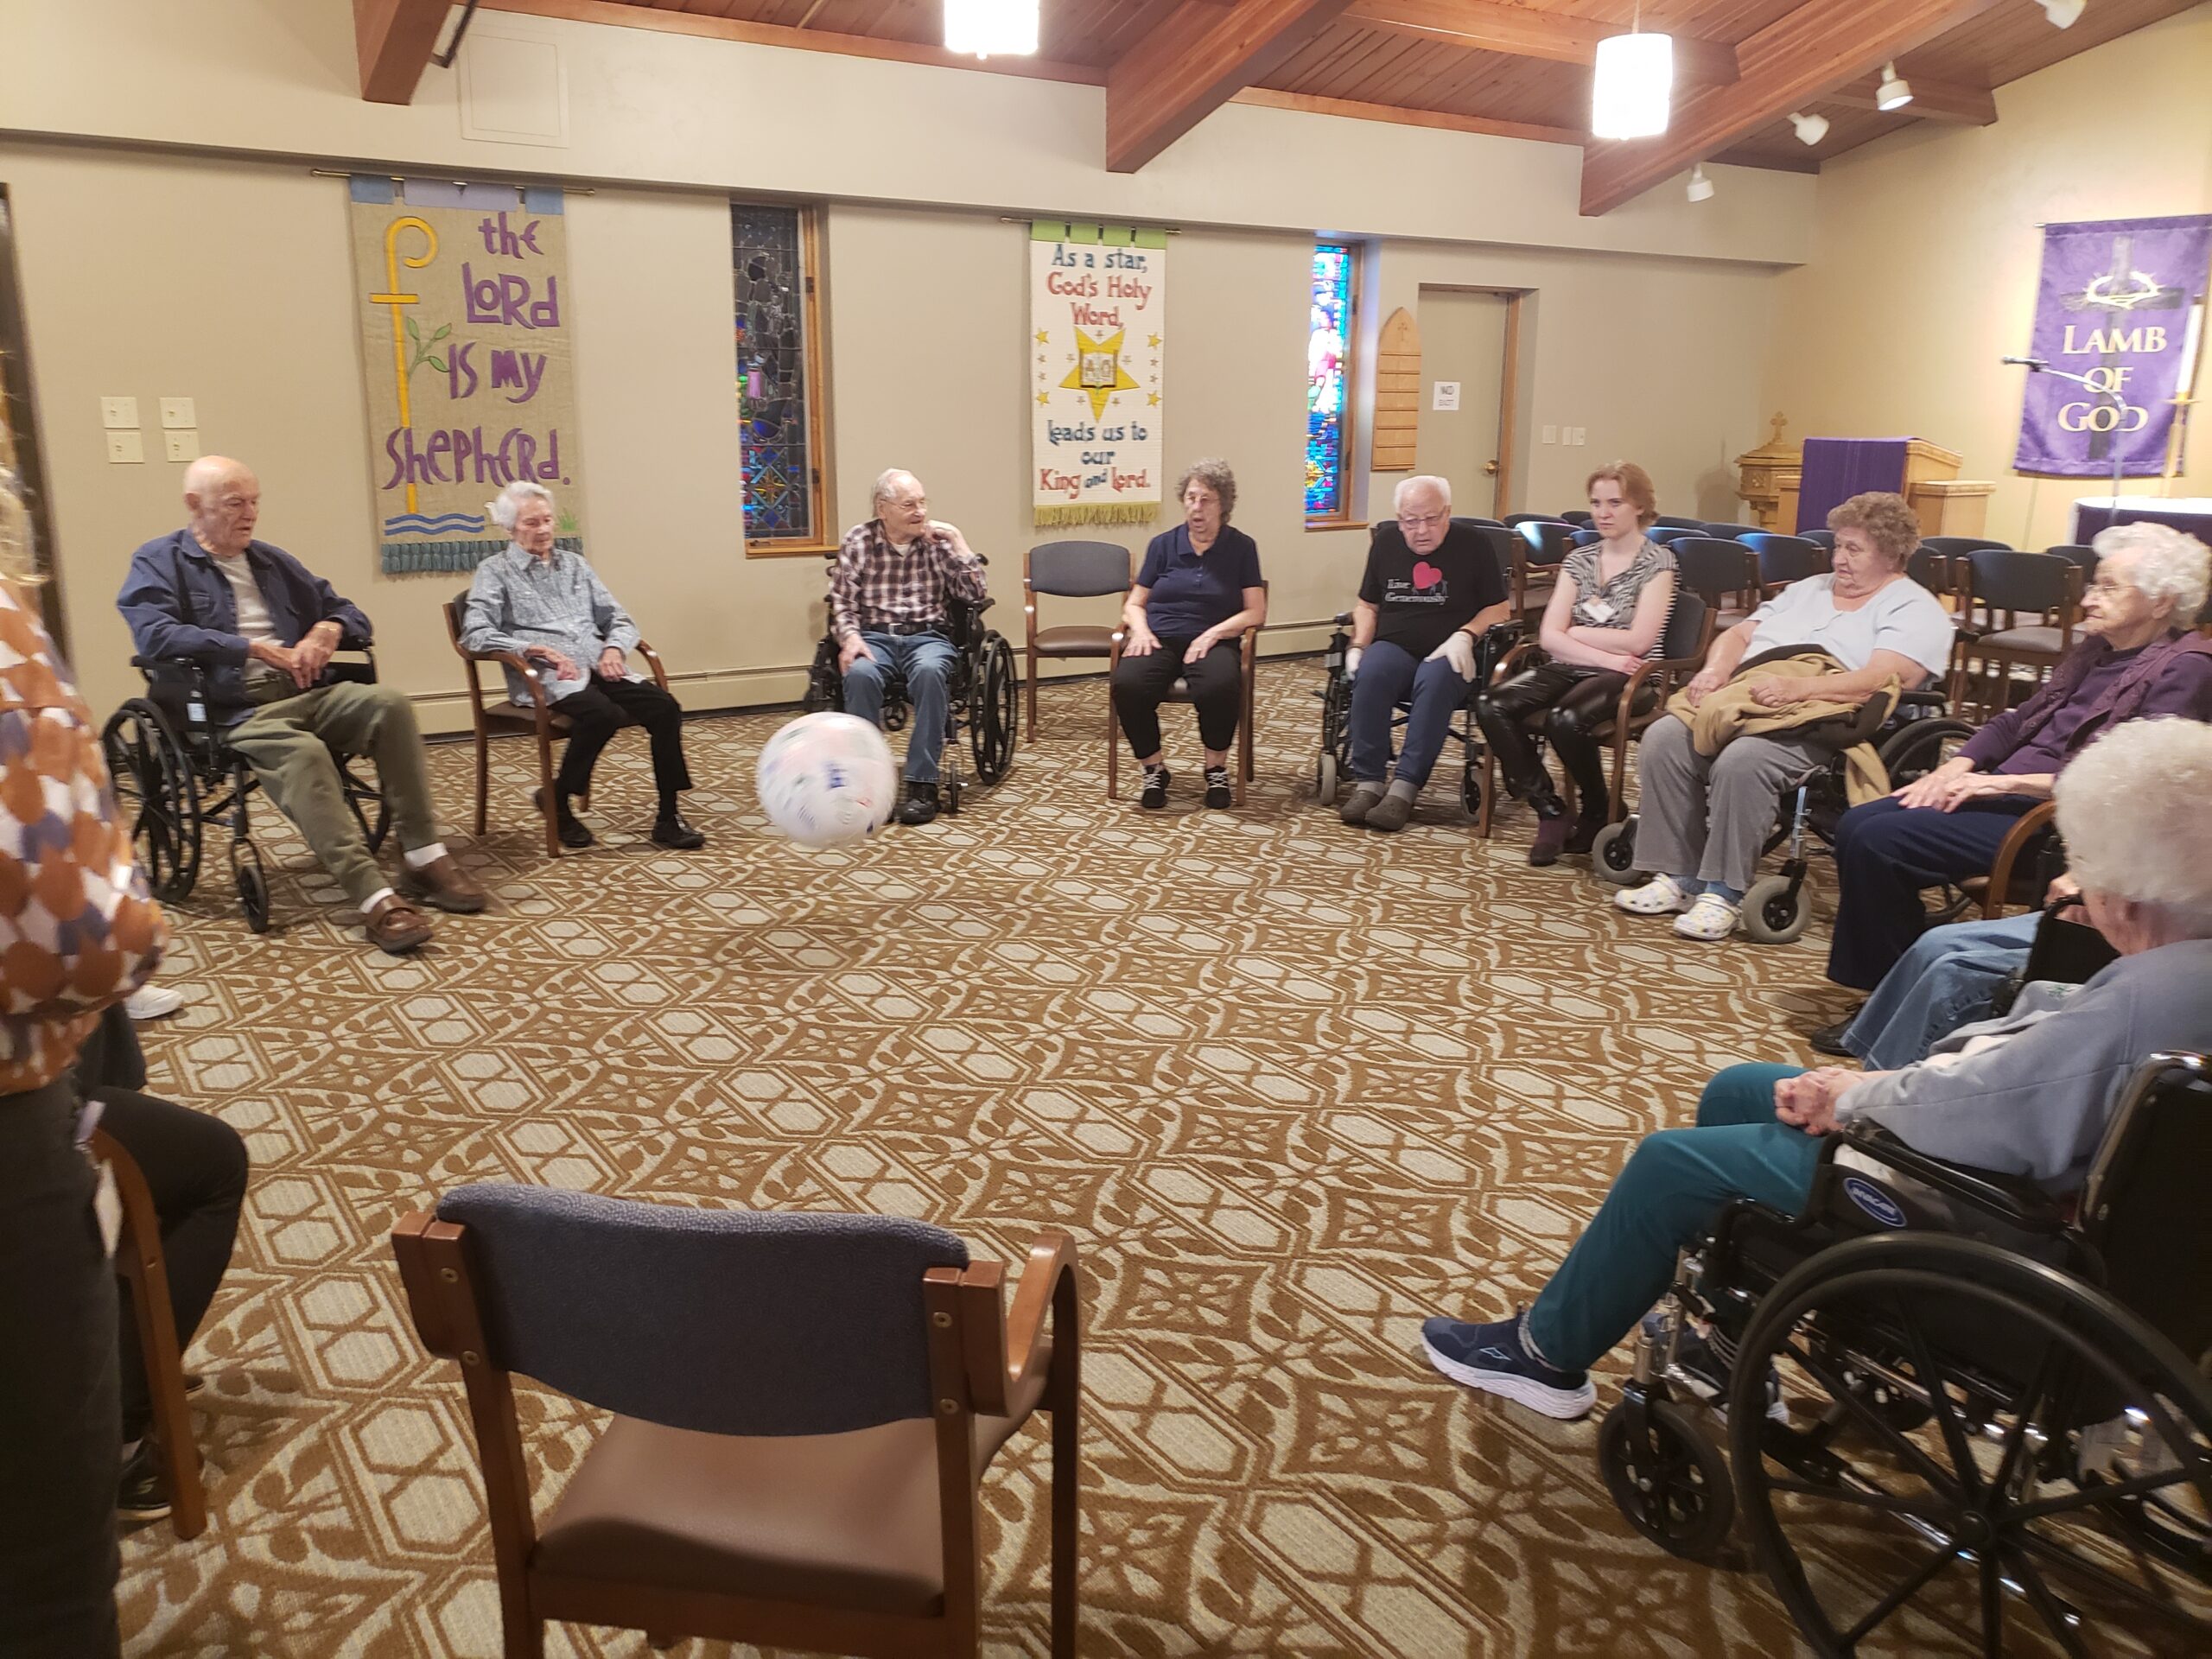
1712 918
152 1002
1661 896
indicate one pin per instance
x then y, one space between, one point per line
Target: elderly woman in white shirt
1704 819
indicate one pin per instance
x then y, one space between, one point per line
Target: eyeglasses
1422 520
2107 589
906 504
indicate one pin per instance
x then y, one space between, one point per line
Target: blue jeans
1673 1185
1946 978
925 660
1387 674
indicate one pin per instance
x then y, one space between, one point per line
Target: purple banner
2115 304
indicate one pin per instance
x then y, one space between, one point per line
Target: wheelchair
981 694
1333 763
1915 739
1958 1414
172 772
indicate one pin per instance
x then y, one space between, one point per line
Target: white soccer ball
827 779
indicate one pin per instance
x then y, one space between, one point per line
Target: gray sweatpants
1707 817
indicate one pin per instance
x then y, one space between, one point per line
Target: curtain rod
1024 219
458 184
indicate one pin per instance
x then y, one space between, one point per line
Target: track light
2064 14
1811 129
1700 188
1895 92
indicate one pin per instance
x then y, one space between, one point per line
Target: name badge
1600 611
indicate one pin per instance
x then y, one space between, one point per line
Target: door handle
1490 469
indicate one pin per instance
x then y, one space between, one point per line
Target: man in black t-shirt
1432 588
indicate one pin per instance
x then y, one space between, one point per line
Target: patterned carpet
1292 1087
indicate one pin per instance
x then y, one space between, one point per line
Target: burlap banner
462 292
1097 319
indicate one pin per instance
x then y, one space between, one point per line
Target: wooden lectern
1947 505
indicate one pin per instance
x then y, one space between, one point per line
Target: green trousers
292 745
1672 1186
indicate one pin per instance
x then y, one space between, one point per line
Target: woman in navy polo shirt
1196 593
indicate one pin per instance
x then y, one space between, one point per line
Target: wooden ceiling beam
1932 100
1793 62
1515 31
1397 115
1198 58
393 40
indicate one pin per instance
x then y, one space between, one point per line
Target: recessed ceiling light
1895 92
1811 129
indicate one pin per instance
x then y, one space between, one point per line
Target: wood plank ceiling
1516 68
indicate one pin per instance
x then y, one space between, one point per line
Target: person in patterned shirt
893 578
78 931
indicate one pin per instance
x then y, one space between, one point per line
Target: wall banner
462 294
1097 332
2119 302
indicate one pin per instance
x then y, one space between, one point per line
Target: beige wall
1927 251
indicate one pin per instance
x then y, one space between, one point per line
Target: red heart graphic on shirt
1426 575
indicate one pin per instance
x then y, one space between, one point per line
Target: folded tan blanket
1730 711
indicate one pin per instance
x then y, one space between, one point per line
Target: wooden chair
804 1407
1683 647
1072 569
1995 587
139 1262
541 718
1241 773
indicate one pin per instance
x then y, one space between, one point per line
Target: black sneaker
920 805
1493 1357
1585 835
672 832
1828 1039
1219 794
565 824
1154 795
143 1494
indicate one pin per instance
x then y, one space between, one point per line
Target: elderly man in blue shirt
549 607
263 628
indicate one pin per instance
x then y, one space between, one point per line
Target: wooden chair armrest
511 659
412 1239
653 662
1004 1354
2017 842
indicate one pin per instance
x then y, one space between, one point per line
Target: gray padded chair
1996 586
1069 570
804 1405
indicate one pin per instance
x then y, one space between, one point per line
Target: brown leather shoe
395 926
442 882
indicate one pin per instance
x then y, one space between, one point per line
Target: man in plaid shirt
894 576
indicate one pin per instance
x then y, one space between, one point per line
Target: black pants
1565 701
1217 682
59 1458
604 707
195 1167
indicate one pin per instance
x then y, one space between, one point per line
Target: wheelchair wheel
1471 791
1325 778
1777 910
994 713
1669 1478
370 808
1612 854
1918 746
1982 1521
1336 714
159 793
252 884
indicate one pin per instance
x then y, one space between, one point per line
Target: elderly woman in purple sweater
2138 662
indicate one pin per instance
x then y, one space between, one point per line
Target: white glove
1352 655
1459 651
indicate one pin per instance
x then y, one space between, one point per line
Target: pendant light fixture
991 28
1633 87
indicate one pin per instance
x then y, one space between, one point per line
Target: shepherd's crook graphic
394 299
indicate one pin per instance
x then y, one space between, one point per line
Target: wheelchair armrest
1342 618
2012 1198
1929 697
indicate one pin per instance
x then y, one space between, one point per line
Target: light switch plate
1575 433
178 412
182 443
117 413
1551 434
124 446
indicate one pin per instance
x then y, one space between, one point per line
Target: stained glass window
776 376
1328 367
